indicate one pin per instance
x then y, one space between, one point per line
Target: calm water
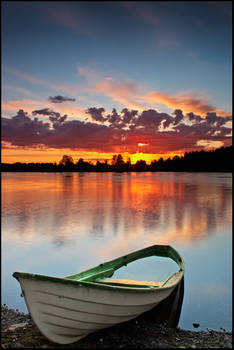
58 224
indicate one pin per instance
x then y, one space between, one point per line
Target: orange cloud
30 105
17 90
38 81
130 95
125 92
209 144
26 104
187 102
88 73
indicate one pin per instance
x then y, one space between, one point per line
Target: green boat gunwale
92 277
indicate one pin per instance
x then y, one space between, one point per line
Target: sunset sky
93 79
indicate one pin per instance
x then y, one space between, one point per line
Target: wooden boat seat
133 282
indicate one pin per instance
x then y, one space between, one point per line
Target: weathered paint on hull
68 314
69 308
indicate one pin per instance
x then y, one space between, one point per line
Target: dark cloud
194 117
213 119
60 99
54 117
97 114
81 135
46 111
114 118
21 130
178 116
166 122
129 116
152 119
122 132
57 119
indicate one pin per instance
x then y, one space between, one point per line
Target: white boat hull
66 313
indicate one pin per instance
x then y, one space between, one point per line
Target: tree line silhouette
219 160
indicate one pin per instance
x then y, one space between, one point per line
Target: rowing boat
69 308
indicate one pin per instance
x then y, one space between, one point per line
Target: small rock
196 325
227 343
18 345
18 325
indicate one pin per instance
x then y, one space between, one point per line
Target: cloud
88 73
60 99
129 116
96 114
46 111
21 130
186 102
18 90
14 105
179 116
213 119
9 107
114 118
127 131
123 91
152 119
30 78
129 93
193 117
209 144
54 117
43 82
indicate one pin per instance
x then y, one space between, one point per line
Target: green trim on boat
92 277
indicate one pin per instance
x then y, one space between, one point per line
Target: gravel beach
19 331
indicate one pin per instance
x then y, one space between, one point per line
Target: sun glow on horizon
149 157
12 154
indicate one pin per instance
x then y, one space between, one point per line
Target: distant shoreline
112 171
218 160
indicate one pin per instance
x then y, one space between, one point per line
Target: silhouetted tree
160 165
118 162
141 165
128 165
216 160
66 161
81 165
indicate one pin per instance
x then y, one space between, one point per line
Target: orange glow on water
153 204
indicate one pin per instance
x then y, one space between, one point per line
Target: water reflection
76 221
156 207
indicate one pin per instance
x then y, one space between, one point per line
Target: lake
62 223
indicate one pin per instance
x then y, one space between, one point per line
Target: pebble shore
19 331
